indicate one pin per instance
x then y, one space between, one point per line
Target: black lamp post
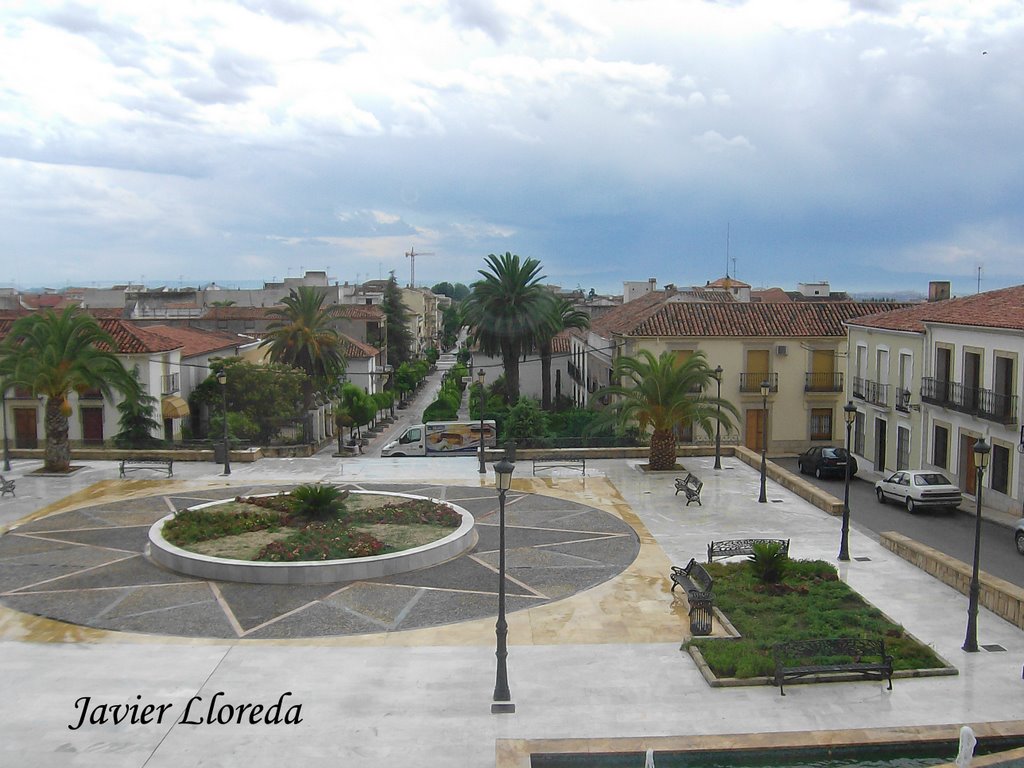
481 377
981 451
850 415
718 423
7 445
766 387
222 379
502 698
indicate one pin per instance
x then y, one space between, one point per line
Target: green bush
525 420
194 525
318 502
768 561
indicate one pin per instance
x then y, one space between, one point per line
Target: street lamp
481 377
850 415
222 379
981 451
766 387
718 423
502 698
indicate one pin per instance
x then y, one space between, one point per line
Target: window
940 447
902 448
1000 472
858 434
821 424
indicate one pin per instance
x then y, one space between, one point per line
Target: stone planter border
165 554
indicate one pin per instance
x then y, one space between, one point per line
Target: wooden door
823 368
755 429
92 426
968 476
26 429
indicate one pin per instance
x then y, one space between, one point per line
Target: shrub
194 525
768 561
318 502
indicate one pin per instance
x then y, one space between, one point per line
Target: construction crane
411 255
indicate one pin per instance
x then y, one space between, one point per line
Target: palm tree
504 312
52 354
660 393
560 316
301 335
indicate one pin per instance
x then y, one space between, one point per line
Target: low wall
999 596
795 483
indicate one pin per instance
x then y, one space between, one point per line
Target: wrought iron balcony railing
823 382
984 403
751 382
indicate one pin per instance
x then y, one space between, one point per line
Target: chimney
938 290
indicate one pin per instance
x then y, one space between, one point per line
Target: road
948 532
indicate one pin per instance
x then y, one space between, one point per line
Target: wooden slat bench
735 547
691 486
698 585
130 465
562 462
831 659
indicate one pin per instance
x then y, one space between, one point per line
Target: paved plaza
594 657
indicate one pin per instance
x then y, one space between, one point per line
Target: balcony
983 403
871 391
574 372
823 382
751 382
170 384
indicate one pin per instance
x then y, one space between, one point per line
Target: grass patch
273 528
809 602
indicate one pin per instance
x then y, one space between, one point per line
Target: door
755 429
968 478
943 371
26 429
823 367
880 440
757 369
92 426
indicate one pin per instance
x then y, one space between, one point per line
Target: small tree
525 420
137 422
768 561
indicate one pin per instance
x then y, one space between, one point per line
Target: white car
917 488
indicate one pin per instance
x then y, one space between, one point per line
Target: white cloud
713 141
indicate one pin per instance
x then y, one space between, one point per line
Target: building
933 379
798 347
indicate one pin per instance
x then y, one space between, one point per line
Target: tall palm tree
504 312
52 354
658 393
301 335
560 316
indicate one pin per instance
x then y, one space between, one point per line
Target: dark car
826 461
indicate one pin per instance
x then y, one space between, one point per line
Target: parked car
918 488
823 461
1018 535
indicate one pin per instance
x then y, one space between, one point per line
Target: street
949 532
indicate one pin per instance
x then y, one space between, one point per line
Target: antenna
411 255
727 224
979 279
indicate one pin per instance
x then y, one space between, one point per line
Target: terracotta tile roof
771 295
137 340
796 319
626 316
370 312
561 344
1002 308
356 350
361 312
196 341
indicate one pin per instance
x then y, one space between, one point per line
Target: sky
875 144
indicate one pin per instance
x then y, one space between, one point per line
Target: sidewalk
423 698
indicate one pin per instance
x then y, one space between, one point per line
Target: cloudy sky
876 144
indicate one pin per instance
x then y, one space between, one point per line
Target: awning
173 407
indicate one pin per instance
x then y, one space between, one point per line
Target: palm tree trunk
510 362
545 376
663 450
57 457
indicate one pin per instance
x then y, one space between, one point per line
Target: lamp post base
503 708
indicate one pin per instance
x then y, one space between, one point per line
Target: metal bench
863 657
735 547
8 486
698 585
563 462
691 486
130 465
